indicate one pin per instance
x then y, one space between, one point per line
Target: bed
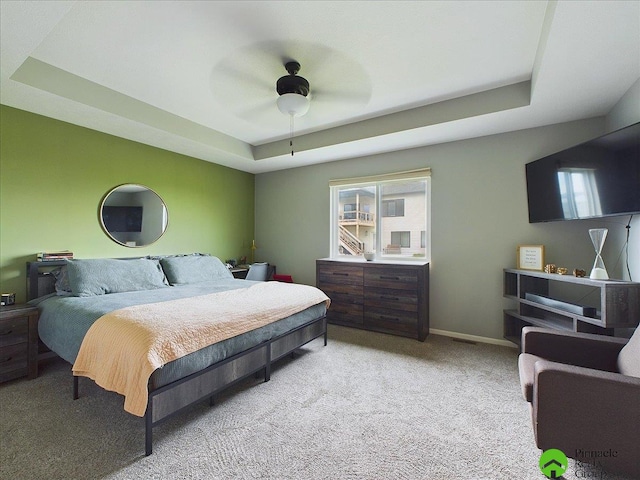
168 332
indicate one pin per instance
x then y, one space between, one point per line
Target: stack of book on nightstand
54 256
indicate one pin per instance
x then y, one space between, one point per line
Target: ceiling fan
250 84
293 91
294 95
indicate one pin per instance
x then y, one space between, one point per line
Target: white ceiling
199 77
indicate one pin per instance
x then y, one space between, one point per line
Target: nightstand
18 342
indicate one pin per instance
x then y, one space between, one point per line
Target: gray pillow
107 275
194 269
62 285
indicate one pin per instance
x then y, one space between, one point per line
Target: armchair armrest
580 411
599 352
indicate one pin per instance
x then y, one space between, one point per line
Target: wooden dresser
388 297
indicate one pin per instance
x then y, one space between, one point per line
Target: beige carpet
367 406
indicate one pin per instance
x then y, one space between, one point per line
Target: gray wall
479 216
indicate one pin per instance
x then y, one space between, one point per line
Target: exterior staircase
349 243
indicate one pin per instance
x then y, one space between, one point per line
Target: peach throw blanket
123 348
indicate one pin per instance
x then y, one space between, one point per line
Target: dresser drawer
349 313
339 274
396 278
13 361
389 320
14 331
404 300
343 293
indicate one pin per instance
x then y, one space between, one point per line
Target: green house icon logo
553 463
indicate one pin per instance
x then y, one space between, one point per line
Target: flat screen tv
599 178
122 219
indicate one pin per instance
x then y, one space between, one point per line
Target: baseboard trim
473 338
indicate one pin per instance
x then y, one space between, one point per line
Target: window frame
378 181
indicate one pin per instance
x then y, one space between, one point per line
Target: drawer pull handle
341 274
7 332
391 319
389 298
383 277
5 359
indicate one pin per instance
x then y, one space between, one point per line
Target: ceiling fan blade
265 107
239 78
352 96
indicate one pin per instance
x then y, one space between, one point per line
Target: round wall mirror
133 215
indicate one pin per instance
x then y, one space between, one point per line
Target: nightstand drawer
13 331
13 361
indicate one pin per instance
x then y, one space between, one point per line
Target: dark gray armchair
584 392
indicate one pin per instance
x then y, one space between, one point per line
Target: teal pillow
107 275
181 270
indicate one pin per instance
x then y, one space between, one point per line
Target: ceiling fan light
293 104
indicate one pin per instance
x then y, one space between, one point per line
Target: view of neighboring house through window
386 214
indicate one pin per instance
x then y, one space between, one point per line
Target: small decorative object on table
550 268
598 236
368 256
530 257
8 299
562 271
579 273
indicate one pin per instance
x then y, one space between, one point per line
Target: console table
556 301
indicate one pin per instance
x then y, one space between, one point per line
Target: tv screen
122 219
595 179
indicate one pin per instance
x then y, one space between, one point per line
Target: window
386 214
393 208
402 239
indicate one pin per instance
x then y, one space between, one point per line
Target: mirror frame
141 187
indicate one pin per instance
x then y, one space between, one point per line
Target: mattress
65 320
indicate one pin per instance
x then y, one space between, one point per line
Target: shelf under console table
566 302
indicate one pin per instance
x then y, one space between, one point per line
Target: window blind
409 174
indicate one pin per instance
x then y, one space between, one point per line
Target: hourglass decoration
598 236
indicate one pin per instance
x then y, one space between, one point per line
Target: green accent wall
53 176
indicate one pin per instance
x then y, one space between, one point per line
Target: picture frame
530 257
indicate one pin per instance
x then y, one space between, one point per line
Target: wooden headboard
39 279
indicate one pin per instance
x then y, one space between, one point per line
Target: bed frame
169 400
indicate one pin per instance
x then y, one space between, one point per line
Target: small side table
18 342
